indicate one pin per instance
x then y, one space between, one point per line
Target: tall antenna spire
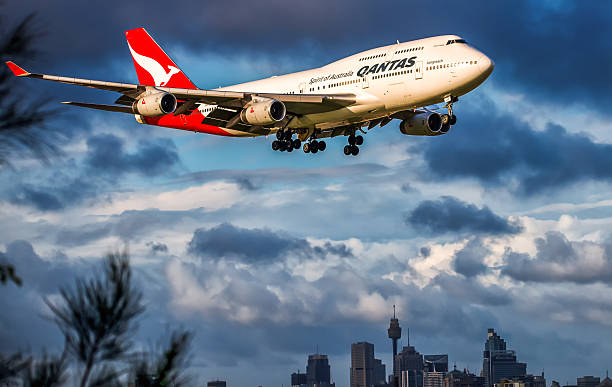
394 311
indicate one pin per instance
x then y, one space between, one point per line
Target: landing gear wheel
453 119
314 149
297 143
314 144
445 119
347 150
306 147
279 135
322 146
275 145
354 150
359 140
351 139
289 146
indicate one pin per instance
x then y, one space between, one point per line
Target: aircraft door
365 81
418 70
302 88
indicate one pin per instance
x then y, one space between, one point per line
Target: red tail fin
153 66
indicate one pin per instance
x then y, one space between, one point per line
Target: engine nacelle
155 104
263 111
423 124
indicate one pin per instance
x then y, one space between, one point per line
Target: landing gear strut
284 141
449 105
353 145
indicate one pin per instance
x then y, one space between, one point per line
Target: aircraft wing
296 104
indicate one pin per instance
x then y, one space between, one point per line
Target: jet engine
263 111
424 124
155 104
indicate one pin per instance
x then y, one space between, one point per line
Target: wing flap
108 108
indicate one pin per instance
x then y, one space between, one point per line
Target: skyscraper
588 381
298 380
395 333
498 362
438 363
318 370
362 364
410 367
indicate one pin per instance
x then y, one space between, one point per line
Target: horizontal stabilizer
108 108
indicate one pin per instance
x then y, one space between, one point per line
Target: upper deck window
456 41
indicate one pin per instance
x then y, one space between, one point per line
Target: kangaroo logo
159 74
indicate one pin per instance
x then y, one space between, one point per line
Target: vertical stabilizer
153 66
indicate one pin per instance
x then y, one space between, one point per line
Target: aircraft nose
485 64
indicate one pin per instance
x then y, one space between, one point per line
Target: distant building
498 362
318 370
523 381
299 380
433 379
554 383
362 364
607 382
588 381
457 378
379 373
438 363
366 371
410 366
217 383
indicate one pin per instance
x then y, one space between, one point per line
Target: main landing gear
314 145
353 145
284 141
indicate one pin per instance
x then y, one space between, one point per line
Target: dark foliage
7 272
47 372
22 120
97 316
164 369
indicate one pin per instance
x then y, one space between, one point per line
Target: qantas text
390 65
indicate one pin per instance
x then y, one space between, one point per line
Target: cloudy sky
501 223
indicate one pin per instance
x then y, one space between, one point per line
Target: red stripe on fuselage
191 122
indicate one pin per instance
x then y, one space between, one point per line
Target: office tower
457 378
410 366
498 362
433 378
379 373
362 364
438 363
395 333
217 383
318 370
298 380
588 381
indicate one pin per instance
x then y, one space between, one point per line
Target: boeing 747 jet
348 97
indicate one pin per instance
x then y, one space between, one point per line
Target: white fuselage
385 80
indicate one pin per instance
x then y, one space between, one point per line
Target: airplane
364 90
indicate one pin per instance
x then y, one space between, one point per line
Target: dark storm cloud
158 247
450 214
255 245
472 291
560 260
106 154
503 151
469 261
64 192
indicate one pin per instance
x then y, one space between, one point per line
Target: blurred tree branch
97 316
22 120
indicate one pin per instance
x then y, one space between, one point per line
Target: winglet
18 71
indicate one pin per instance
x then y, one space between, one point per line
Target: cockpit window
456 41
